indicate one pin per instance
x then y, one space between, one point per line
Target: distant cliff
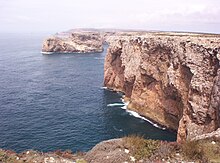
76 42
83 40
170 78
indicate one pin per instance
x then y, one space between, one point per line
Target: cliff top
130 32
128 149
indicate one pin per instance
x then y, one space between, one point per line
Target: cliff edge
170 78
128 149
73 42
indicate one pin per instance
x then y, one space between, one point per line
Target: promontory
76 41
170 78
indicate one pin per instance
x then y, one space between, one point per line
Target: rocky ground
126 150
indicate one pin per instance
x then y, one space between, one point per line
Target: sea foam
135 114
42 52
103 87
116 104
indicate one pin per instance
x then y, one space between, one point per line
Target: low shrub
192 150
140 147
202 150
81 161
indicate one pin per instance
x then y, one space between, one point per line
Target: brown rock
212 135
170 78
76 42
110 151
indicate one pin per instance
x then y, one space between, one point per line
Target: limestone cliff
73 42
170 78
83 40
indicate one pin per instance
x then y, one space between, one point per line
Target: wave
116 104
101 58
42 52
117 129
135 114
103 87
124 106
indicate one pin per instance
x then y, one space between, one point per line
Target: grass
202 150
207 151
81 161
7 158
140 147
192 150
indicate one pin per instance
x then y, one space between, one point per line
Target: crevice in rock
117 69
128 87
148 81
173 104
187 75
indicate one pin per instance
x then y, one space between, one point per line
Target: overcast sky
61 15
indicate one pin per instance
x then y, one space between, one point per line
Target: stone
126 151
170 78
73 42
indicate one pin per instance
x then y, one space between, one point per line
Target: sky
61 15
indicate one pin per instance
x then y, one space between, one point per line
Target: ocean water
50 102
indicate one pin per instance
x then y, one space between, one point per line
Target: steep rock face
83 40
170 78
211 135
77 42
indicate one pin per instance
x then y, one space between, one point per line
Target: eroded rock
76 42
170 78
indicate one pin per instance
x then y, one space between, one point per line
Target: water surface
50 102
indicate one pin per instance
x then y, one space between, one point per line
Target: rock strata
212 135
83 40
170 78
76 42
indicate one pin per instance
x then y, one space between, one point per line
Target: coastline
66 52
125 106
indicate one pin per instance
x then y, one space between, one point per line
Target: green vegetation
202 150
81 161
140 147
207 151
6 158
192 150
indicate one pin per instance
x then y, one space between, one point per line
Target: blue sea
50 102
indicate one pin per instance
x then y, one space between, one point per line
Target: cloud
201 15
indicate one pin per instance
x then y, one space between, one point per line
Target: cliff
170 78
73 42
83 40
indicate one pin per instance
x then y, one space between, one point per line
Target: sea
58 102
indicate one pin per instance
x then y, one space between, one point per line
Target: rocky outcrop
128 149
83 40
108 151
31 156
73 42
212 135
170 78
